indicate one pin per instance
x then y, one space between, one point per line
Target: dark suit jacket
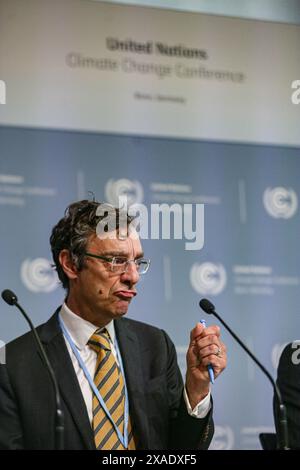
288 381
157 408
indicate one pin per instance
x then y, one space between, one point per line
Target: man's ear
68 264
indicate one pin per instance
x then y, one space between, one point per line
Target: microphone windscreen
207 306
9 297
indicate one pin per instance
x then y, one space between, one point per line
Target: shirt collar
81 330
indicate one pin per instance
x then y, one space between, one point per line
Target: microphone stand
11 299
282 442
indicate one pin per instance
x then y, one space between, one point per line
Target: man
288 381
119 380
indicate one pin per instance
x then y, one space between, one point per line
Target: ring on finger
219 352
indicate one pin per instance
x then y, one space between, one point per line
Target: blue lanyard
123 439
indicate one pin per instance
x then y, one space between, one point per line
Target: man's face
98 293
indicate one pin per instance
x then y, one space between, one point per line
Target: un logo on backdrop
38 275
208 278
280 202
133 190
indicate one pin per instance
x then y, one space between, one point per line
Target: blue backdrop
249 266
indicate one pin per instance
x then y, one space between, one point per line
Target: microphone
282 440
11 299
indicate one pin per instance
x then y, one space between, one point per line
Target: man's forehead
116 243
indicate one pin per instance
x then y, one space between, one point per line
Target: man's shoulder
26 342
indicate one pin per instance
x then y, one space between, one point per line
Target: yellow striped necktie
109 380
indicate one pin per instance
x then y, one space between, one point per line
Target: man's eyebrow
121 253
113 253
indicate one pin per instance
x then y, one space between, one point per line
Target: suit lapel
131 358
59 357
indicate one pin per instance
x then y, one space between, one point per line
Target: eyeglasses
119 264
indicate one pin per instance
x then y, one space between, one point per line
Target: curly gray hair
73 231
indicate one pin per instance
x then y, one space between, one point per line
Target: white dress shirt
80 331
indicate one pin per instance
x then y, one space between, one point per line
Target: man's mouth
126 294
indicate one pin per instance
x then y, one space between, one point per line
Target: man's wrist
196 397
201 409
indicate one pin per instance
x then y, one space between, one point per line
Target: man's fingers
215 361
218 349
208 351
201 332
204 341
212 330
196 332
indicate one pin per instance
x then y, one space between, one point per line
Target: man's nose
131 272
